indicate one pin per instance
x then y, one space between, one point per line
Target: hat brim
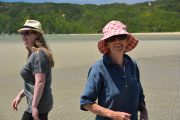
25 29
131 44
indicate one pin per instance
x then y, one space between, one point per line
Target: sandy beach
158 58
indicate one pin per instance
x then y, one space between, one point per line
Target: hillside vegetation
159 16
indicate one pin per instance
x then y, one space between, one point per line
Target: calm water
85 37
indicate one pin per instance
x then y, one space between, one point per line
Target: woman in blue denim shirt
114 80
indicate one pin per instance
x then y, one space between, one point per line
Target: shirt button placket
124 76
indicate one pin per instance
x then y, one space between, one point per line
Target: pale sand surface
158 60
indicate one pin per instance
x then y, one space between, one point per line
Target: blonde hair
40 43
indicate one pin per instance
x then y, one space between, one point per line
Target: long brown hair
40 43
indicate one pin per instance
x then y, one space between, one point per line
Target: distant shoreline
157 33
150 33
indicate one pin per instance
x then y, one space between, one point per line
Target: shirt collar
109 61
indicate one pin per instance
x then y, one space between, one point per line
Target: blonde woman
36 73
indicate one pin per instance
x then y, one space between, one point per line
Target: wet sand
158 60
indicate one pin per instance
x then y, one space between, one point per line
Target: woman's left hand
144 114
35 113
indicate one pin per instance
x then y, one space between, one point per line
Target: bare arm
21 93
99 110
17 100
38 90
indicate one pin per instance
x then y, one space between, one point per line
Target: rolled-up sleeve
92 88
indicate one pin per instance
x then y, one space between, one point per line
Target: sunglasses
118 37
26 33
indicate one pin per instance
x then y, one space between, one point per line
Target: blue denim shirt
116 88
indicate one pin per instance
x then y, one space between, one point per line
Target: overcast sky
81 1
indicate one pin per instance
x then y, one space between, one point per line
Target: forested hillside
157 16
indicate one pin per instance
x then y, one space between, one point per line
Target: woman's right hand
15 102
120 116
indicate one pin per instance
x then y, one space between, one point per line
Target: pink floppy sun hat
116 28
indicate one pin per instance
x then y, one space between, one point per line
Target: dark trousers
28 116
